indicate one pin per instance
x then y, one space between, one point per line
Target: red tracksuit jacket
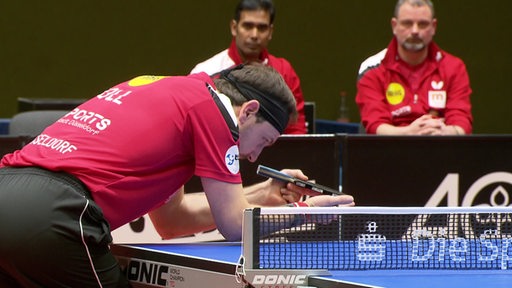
386 93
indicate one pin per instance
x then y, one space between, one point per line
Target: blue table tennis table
214 265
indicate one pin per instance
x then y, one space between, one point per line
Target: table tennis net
372 238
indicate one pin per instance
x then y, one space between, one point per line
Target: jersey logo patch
144 80
395 93
232 159
437 99
437 85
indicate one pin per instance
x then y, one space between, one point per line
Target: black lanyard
229 121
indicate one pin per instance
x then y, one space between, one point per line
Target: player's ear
232 27
434 25
249 109
394 23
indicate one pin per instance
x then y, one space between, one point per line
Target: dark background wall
76 49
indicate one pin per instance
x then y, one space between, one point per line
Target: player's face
414 27
254 137
252 33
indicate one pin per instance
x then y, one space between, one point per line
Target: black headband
270 109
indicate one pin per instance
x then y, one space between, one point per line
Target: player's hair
253 5
417 3
264 79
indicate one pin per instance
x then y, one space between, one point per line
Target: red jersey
137 143
230 57
392 92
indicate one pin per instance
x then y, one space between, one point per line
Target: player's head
263 102
414 24
254 5
417 3
252 27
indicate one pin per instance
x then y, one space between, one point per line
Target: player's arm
184 214
221 206
458 106
370 99
227 203
193 209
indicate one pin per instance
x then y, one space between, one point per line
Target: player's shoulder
445 58
278 61
282 65
214 64
372 62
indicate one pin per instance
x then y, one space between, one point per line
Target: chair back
32 123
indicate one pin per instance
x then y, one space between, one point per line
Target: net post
250 237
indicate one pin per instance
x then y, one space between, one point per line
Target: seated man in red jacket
252 29
413 87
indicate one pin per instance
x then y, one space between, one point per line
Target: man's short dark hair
253 5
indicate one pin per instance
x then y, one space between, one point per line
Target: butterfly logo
437 85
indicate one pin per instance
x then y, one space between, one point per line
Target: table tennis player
128 151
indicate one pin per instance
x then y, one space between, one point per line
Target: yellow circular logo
395 93
144 80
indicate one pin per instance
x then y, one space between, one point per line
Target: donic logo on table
275 279
149 272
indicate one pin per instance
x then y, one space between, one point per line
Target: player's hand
282 193
293 193
426 125
273 192
330 201
452 130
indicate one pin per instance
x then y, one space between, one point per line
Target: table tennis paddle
275 174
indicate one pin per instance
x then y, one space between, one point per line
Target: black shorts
52 234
